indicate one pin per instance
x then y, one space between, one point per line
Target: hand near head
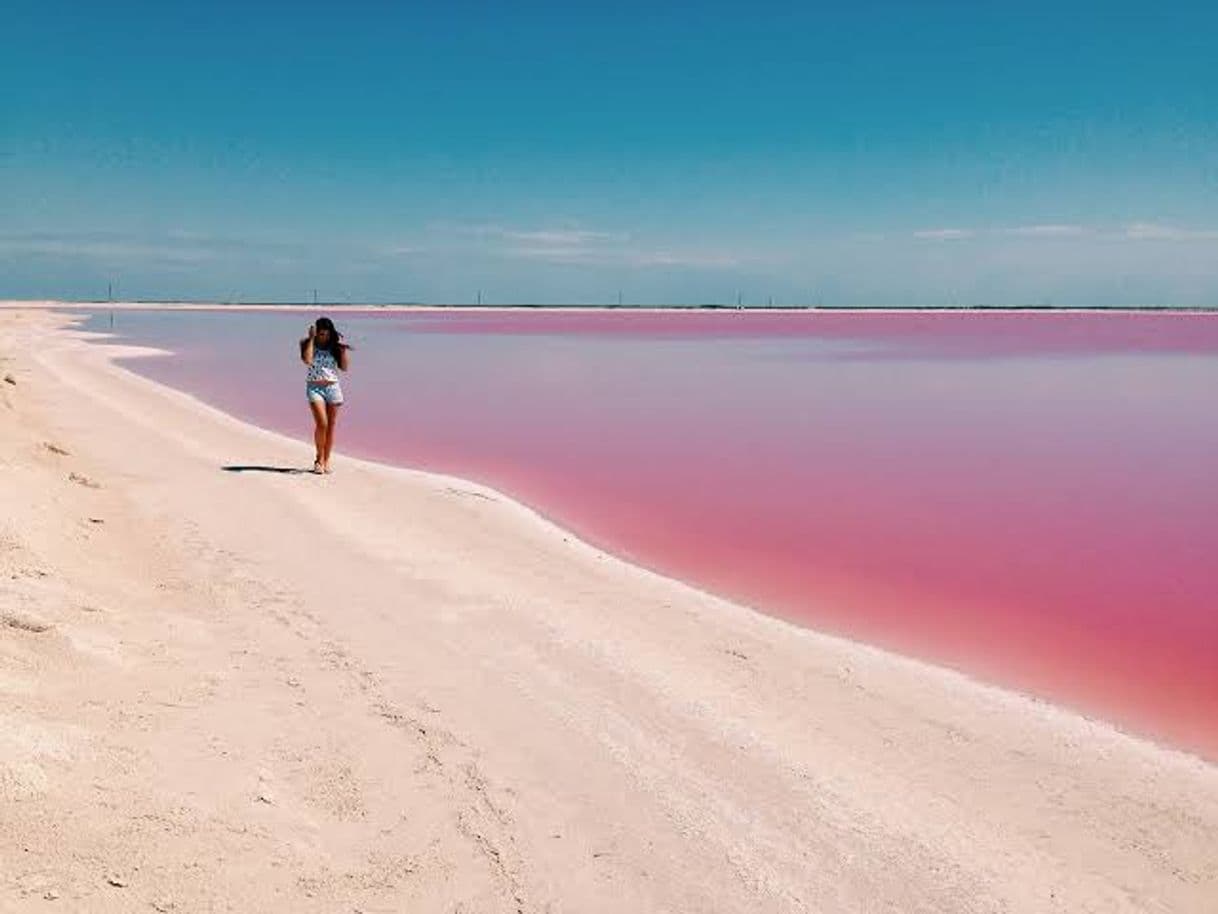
312 330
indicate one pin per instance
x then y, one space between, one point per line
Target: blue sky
862 153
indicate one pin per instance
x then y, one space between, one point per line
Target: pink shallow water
1032 498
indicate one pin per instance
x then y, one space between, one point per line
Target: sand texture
384 691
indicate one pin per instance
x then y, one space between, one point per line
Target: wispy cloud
710 260
181 249
624 257
1051 230
555 254
568 245
1157 231
561 235
104 246
1133 231
564 236
944 234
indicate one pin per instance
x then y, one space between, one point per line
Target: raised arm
306 346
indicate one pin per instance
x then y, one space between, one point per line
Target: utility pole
109 291
619 298
770 302
314 298
479 298
739 300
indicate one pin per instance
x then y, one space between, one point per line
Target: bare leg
320 428
331 421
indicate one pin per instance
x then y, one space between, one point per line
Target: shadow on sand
255 468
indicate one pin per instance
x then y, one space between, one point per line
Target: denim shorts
325 393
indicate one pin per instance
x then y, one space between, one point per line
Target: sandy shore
390 691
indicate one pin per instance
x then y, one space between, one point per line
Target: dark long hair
335 346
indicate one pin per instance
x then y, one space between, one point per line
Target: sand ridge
375 692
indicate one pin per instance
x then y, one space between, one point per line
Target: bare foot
317 467
325 468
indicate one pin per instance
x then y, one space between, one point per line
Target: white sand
391 691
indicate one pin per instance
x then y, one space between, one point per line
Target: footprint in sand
24 623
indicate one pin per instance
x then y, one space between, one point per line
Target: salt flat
389 690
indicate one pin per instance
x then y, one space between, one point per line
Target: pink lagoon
1029 497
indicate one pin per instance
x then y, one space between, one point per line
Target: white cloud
172 248
944 234
566 245
1049 231
102 247
555 254
628 257
1157 231
683 259
1135 231
563 236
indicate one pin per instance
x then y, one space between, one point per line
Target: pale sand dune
389 691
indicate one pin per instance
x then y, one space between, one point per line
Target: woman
324 351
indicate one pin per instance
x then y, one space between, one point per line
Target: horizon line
653 306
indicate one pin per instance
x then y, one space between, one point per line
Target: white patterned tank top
324 368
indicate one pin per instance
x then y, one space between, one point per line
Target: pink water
1032 498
